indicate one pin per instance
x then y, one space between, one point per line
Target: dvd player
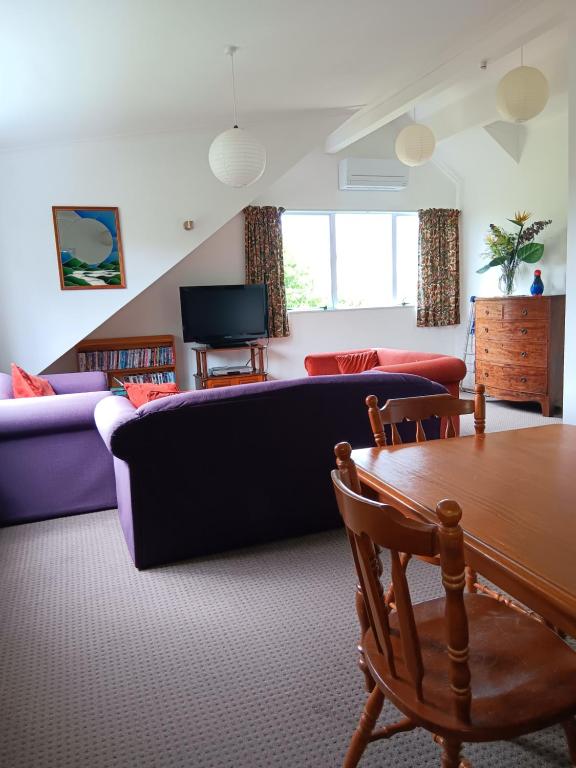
230 370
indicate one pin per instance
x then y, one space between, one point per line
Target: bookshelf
132 358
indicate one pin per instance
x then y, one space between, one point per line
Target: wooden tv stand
204 380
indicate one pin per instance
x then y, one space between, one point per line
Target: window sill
348 309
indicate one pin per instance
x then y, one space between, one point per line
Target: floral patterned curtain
264 262
438 268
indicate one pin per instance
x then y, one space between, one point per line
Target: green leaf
494 263
530 253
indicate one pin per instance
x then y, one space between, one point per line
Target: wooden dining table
517 491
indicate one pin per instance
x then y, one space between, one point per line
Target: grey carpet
501 416
244 659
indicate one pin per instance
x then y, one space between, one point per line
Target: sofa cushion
156 394
24 384
73 383
357 362
138 393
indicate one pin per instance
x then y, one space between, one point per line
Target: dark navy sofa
211 470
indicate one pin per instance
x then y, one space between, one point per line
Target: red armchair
444 369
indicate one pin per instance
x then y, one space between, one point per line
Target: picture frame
88 247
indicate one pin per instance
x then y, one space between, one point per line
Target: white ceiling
73 69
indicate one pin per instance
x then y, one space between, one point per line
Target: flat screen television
224 315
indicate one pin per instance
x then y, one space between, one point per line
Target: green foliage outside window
299 286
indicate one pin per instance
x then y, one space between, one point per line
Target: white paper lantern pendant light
236 158
415 144
522 93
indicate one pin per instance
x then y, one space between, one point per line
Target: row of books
114 359
165 377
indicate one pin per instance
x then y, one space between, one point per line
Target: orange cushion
138 393
26 385
357 362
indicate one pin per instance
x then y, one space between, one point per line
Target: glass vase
507 281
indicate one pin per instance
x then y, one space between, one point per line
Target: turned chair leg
570 733
451 754
365 727
471 578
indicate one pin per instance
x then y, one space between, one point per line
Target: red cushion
156 394
357 362
26 385
138 393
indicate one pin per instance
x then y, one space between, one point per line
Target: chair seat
523 676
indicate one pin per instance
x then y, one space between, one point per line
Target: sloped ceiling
81 69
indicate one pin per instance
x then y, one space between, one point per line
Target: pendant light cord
232 52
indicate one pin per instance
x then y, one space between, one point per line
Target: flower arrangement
508 250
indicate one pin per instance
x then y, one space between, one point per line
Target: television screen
224 315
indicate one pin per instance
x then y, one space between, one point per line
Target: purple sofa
52 459
210 470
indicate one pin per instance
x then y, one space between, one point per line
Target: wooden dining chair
465 667
417 409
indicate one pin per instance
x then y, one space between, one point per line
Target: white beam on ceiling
477 108
508 33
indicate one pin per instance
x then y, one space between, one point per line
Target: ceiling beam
507 33
477 108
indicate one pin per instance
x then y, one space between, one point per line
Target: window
346 260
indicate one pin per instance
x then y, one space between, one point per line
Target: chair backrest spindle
408 634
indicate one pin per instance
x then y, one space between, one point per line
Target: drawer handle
523 379
485 330
486 374
524 312
487 311
523 354
486 350
523 331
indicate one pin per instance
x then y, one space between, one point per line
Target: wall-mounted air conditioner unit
372 175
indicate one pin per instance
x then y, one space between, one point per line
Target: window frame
333 258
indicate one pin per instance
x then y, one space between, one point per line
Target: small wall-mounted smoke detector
188 225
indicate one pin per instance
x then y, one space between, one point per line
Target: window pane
364 259
407 257
306 240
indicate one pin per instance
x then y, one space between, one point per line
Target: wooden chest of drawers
520 348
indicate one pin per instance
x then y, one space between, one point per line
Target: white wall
493 187
156 181
311 184
218 260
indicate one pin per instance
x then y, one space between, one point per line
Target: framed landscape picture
89 247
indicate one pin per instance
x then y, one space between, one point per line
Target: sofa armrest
69 383
445 370
5 387
53 413
111 413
